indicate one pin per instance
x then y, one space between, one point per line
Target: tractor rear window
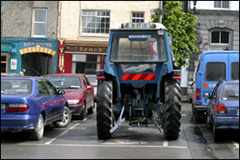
215 71
138 48
235 71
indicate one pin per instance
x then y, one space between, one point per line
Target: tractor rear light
100 73
14 107
220 108
198 93
177 73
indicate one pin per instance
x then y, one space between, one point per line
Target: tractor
140 82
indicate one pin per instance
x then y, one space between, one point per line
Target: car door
88 92
56 100
44 100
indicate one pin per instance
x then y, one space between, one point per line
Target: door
45 102
56 100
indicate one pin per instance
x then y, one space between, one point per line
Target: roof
22 77
64 74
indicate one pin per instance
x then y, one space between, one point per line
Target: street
79 141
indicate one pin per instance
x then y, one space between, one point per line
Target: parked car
30 103
93 80
223 108
213 67
78 92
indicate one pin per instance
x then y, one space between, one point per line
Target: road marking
54 139
236 145
105 145
165 143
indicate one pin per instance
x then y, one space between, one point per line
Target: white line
165 143
53 139
106 145
236 145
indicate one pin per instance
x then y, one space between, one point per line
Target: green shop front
38 56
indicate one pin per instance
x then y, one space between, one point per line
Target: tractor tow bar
154 119
120 120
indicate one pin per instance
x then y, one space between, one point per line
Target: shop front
81 56
37 56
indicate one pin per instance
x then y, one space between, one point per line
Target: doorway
37 64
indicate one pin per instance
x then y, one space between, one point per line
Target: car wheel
83 113
90 110
67 117
39 130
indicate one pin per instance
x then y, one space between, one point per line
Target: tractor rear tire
172 116
104 110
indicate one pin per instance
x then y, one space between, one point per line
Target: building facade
84 30
29 37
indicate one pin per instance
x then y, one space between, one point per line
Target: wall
16 18
120 11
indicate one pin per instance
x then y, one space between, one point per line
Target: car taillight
198 93
14 107
220 108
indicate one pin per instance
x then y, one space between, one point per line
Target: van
213 67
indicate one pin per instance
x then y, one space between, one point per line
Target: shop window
137 17
89 66
95 21
4 62
220 37
221 4
39 23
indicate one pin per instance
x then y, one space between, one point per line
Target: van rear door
233 65
214 70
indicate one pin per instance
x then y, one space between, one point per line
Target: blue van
213 67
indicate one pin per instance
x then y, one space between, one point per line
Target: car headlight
73 101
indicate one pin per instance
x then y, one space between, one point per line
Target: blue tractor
139 83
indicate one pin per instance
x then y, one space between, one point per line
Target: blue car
30 103
223 107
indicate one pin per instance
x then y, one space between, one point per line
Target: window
221 37
95 21
42 89
50 88
235 71
39 23
215 71
137 17
4 60
221 4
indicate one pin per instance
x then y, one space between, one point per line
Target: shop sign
5 47
90 49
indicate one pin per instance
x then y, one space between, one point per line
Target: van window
215 71
235 71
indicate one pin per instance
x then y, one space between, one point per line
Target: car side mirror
206 95
89 87
61 92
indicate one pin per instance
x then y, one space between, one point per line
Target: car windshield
16 87
65 82
230 92
138 48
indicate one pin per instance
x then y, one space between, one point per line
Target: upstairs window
95 21
39 23
221 4
220 37
137 17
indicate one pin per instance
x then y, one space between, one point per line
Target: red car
78 92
